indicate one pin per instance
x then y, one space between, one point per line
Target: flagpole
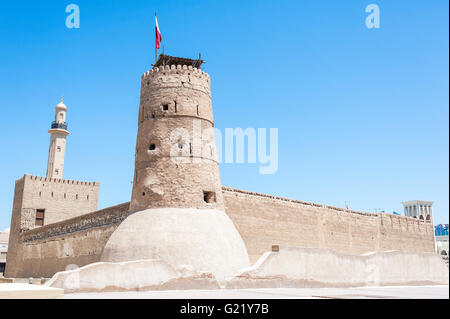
156 49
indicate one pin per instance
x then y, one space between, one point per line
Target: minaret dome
60 112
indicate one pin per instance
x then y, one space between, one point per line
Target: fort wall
78 241
264 220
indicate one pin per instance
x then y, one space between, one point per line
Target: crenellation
174 70
58 180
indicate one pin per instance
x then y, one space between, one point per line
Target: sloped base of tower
204 239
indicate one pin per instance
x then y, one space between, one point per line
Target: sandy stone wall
4 237
61 199
264 220
14 245
78 241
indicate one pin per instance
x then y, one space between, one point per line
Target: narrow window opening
52 194
197 111
87 197
209 197
40 194
153 115
190 148
152 147
64 195
175 106
76 196
143 193
142 114
166 107
40 215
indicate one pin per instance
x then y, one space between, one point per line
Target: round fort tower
176 162
177 204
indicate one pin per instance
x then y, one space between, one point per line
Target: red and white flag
158 34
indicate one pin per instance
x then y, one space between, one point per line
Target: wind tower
418 209
58 133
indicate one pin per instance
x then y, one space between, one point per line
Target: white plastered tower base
205 239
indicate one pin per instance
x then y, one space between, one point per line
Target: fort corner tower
58 133
178 213
176 162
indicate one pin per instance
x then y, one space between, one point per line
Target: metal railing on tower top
59 125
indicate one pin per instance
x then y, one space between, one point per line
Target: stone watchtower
176 163
58 133
177 211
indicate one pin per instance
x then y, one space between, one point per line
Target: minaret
58 133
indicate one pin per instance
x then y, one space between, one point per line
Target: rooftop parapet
176 69
295 201
57 180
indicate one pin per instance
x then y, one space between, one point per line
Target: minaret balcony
56 125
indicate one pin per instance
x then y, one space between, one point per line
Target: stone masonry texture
60 200
262 221
176 164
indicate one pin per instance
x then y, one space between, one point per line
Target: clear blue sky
363 114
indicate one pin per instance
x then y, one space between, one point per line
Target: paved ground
432 292
24 291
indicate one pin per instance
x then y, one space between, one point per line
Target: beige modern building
4 238
442 245
441 234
